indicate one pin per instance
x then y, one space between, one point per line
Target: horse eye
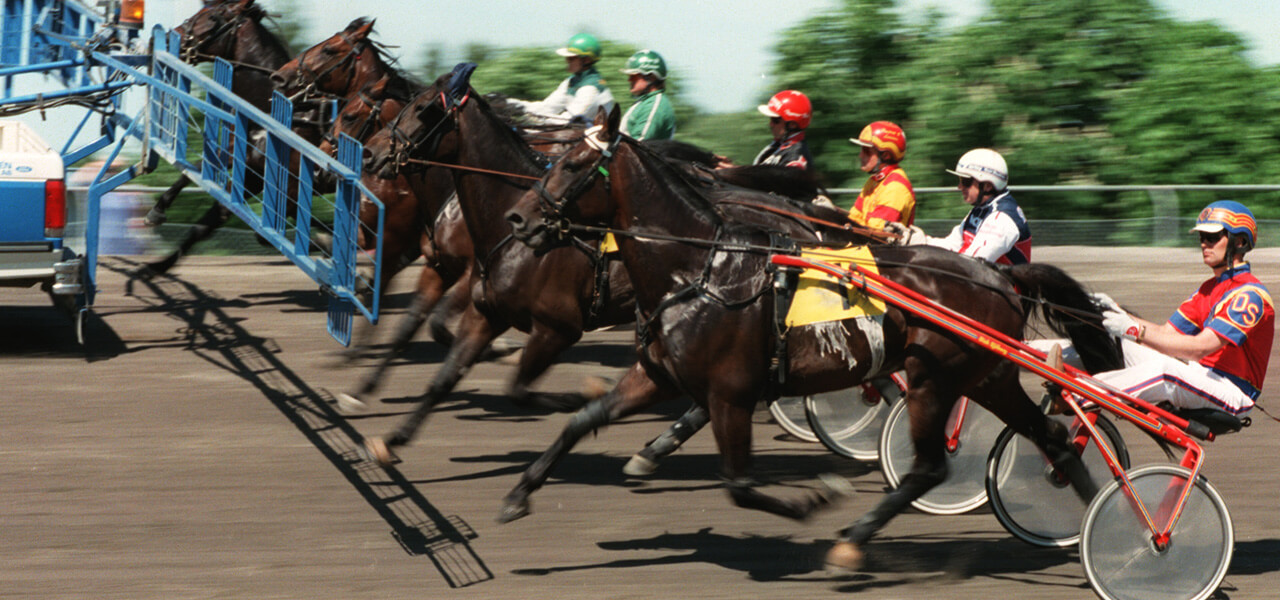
329 50
347 118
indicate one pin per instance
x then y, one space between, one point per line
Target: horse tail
1069 311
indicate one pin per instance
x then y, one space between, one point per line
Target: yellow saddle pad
820 297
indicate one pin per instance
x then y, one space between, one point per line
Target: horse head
365 114
329 67
574 190
210 33
421 129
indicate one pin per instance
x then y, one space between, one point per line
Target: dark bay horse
706 305
231 30
554 295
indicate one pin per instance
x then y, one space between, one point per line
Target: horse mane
675 180
799 184
503 127
267 44
683 151
405 86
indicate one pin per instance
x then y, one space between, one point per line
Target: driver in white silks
581 95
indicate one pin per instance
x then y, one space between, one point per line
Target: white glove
907 235
1120 324
1104 302
822 200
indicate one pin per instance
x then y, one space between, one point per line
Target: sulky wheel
1031 499
1123 563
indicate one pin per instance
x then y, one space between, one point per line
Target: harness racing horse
706 328
233 31
554 295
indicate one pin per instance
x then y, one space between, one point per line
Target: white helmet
983 164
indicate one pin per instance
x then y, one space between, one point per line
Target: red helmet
790 106
884 137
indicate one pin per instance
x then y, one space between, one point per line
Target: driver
995 229
1213 351
789 113
651 117
581 95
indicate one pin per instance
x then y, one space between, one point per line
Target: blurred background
1091 94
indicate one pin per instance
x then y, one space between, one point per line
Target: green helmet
583 44
646 62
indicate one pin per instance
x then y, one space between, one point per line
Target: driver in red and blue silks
789 114
995 229
1213 352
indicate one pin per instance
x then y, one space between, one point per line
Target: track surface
196 453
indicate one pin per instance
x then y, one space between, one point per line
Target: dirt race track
197 453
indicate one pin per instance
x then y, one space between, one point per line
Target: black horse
705 297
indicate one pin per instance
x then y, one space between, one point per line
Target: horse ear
615 118
245 4
379 87
368 27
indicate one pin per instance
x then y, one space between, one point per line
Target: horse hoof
154 218
511 359
594 387
513 510
350 405
844 557
640 466
379 451
834 488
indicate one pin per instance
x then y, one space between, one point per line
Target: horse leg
157 215
928 412
1014 407
215 217
544 346
634 392
645 462
731 423
430 289
477 331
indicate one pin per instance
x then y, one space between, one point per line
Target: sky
721 50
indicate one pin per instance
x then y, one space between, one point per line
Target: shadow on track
219 339
895 562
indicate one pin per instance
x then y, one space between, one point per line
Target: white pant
1156 377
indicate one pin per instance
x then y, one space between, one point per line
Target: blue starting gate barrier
196 123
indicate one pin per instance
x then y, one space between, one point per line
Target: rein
849 226
432 163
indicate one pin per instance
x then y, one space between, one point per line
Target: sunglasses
967 181
1211 238
775 119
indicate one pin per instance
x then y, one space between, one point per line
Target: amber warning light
131 13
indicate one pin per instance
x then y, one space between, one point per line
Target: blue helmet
1231 216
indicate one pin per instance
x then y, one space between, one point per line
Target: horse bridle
403 146
370 121
552 207
193 48
309 78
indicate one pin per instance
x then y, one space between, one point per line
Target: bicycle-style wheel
847 423
789 413
964 488
1031 500
1117 552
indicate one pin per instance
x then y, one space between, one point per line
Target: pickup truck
33 218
